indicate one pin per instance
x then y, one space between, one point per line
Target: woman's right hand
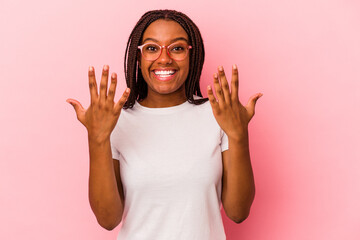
102 115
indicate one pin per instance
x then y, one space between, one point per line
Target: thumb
252 102
78 108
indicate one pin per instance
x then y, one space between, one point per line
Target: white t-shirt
171 171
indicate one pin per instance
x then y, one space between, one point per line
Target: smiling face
160 84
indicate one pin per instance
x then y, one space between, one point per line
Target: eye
151 48
178 48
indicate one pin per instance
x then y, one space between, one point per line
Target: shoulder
202 112
206 103
206 107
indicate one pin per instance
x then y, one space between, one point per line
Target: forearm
238 181
104 196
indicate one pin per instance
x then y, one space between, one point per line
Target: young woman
167 162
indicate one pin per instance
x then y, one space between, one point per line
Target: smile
164 75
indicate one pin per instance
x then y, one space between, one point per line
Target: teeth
170 72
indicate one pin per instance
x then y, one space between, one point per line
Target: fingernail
221 68
209 87
91 69
127 90
105 67
234 66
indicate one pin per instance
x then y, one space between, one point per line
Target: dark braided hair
134 79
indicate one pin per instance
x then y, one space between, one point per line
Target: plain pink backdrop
304 56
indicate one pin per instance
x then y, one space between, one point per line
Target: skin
106 194
238 187
169 93
105 188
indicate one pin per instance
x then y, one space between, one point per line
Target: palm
228 111
101 116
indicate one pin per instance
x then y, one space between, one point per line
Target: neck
156 100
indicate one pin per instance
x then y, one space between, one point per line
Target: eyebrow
173 40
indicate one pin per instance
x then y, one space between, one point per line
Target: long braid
133 75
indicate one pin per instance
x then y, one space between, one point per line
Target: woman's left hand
230 114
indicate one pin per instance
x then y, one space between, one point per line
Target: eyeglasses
176 51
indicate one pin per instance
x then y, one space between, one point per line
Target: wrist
239 137
98 138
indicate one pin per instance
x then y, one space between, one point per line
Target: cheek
144 70
186 69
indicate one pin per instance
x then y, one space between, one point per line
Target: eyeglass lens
177 51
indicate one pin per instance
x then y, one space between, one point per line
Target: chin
165 90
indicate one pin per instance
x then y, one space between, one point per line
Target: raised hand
101 116
230 114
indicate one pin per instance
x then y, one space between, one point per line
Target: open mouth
164 75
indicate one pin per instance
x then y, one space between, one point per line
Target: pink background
303 55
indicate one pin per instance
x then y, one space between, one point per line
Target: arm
105 200
238 182
238 187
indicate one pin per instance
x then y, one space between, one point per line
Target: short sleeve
115 153
224 141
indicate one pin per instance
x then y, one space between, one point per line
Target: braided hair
134 79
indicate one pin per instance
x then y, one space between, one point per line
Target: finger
235 84
119 105
112 88
79 109
218 91
92 85
250 106
214 104
224 85
103 84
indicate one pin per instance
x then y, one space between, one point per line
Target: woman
164 165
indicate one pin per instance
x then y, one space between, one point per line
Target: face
164 33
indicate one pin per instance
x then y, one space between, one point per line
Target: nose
164 56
